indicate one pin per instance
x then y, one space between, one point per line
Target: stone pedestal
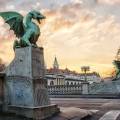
25 86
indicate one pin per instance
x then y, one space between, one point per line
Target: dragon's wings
15 20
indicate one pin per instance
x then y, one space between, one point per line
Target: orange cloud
76 34
7 38
88 40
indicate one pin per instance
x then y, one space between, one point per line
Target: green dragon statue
24 28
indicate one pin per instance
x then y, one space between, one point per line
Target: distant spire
55 64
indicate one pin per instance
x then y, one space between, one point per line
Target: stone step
111 115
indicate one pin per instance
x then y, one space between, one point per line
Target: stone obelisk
25 86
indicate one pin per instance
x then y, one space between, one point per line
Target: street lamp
85 69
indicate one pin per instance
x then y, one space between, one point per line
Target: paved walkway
86 103
106 109
78 109
111 115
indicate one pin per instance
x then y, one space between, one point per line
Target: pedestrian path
111 115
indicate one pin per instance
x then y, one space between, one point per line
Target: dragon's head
37 15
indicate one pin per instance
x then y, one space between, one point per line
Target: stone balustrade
65 89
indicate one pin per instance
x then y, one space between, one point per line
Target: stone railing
65 90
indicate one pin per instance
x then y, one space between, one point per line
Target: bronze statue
24 28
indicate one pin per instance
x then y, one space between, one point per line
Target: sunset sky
78 32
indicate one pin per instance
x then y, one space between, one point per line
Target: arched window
71 83
75 83
51 83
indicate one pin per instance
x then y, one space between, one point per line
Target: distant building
56 76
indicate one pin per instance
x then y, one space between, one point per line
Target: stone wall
109 87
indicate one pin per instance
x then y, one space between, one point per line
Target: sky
77 32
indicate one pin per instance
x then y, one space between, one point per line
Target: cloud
78 32
30 4
7 38
77 1
110 2
85 41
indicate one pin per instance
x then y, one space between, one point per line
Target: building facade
57 76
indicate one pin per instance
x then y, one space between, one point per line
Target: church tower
55 64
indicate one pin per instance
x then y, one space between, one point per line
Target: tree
113 73
2 66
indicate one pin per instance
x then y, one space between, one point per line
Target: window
51 83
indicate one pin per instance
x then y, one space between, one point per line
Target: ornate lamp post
85 69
